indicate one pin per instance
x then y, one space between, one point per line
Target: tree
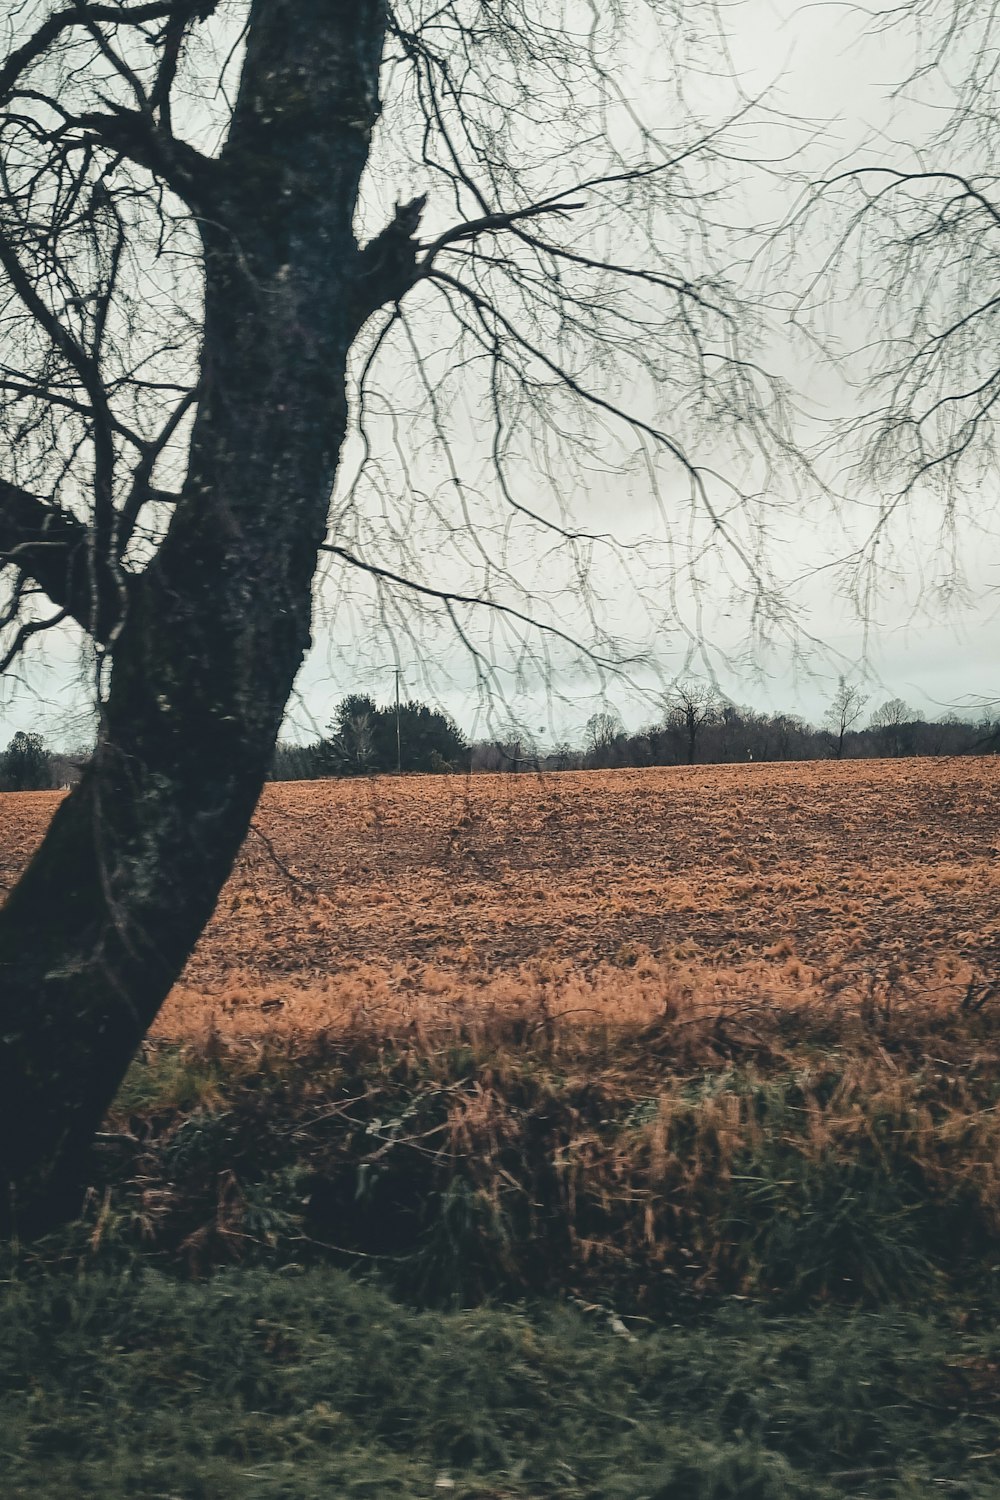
690 707
296 763
351 749
844 712
562 758
25 764
201 290
909 222
429 740
367 739
604 733
791 736
890 724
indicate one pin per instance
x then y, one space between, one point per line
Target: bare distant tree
890 722
604 731
516 754
844 712
212 320
563 757
691 706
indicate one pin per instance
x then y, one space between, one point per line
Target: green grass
305 1383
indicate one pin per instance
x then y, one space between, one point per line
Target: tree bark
103 920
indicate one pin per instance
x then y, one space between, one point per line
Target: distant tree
844 712
563 757
731 734
351 748
429 740
363 739
953 735
987 729
890 725
604 737
296 762
25 764
485 756
638 749
790 738
514 755
691 706
66 768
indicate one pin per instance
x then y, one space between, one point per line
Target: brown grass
791 1150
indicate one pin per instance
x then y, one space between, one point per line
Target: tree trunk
103 920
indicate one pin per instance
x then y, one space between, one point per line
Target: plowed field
594 892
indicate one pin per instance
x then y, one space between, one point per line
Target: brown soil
593 889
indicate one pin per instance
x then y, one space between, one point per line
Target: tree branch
53 548
136 135
24 634
86 15
488 223
450 598
387 266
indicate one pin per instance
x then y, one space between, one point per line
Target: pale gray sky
937 653
931 630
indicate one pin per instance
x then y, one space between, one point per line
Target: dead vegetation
639 1037
781 1150
593 893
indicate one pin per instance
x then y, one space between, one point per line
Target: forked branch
50 546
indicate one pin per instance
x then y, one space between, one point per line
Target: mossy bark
103 920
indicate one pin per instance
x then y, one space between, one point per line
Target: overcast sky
929 635
931 629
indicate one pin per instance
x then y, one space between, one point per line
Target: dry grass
782 1150
592 893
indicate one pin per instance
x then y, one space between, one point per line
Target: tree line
28 766
696 726
711 731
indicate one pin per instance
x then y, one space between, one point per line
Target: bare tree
909 227
212 320
890 722
604 731
691 706
844 712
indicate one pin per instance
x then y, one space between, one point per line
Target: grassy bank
306 1384
743 1252
792 1154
